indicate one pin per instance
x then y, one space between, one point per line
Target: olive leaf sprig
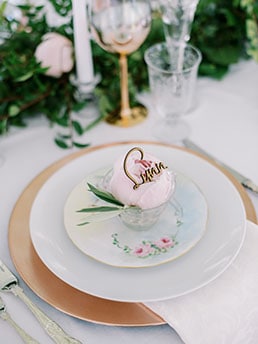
100 213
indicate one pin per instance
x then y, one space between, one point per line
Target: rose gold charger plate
61 295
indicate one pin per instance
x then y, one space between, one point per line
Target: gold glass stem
125 107
124 115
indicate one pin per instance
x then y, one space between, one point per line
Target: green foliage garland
225 32
251 8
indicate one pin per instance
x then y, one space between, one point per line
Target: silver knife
246 182
9 283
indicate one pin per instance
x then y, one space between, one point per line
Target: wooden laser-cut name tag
149 173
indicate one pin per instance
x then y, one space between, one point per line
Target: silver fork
9 283
6 316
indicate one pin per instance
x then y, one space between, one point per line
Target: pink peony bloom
148 195
56 52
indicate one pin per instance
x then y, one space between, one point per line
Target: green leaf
81 145
64 136
105 196
77 127
101 213
104 104
83 223
100 216
94 123
215 71
24 77
79 106
63 122
3 126
2 8
13 110
223 56
62 144
97 209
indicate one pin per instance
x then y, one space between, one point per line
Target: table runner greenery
224 31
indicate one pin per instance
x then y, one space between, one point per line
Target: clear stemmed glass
177 17
172 89
121 26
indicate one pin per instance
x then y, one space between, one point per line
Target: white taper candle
82 45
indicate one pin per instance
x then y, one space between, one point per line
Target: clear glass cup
173 88
141 219
135 217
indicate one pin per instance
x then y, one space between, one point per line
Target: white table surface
225 123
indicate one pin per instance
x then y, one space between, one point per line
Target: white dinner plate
179 228
206 261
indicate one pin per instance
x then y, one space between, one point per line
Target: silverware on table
6 316
9 283
246 182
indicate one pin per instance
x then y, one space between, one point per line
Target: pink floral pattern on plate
147 248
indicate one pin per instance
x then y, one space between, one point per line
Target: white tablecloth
225 123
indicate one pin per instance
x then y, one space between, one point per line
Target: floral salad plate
180 227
